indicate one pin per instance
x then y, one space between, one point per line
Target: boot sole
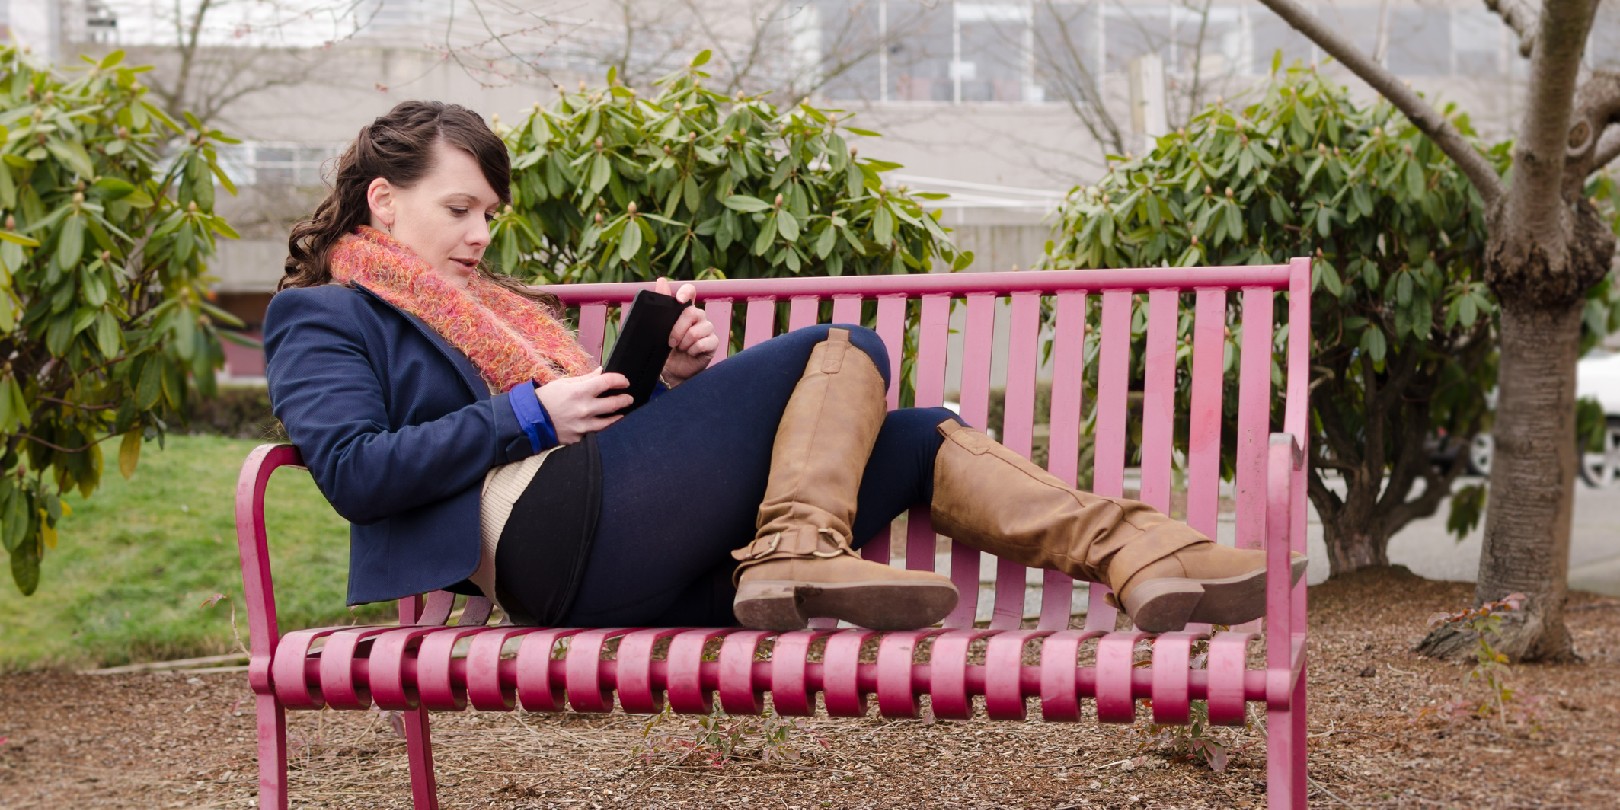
1169 604
781 606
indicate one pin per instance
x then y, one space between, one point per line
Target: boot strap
770 547
1143 552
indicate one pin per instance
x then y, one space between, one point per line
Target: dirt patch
1380 735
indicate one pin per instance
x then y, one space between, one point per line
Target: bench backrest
1234 317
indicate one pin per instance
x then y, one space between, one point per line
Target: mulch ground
1384 730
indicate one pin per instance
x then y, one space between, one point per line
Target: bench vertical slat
803 311
1018 425
761 321
1159 398
977 343
930 388
1063 442
592 327
846 309
1204 428
1254 412
719 312
1113 381
891 327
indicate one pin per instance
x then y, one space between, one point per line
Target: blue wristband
532 416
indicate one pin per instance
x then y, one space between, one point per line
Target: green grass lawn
138 560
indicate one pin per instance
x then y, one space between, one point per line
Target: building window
258 163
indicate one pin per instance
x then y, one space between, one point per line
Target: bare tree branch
1423 115
1597 108
1606 151
1520 15
1541 152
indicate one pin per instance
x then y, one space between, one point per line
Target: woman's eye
460 212
489 216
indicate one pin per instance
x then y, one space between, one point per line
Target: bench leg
272 752
1285 752
419 744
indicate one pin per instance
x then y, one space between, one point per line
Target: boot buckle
756 551
839 549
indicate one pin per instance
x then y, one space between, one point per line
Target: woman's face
444 218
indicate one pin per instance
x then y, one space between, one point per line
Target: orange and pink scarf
511 339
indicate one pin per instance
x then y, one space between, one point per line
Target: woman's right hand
576 405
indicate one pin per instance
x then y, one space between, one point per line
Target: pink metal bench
424 665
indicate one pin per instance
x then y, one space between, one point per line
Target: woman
464 433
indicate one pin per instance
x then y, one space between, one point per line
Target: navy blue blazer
398 429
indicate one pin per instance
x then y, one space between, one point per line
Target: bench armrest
1285 534
258 591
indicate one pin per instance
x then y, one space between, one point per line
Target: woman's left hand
692 341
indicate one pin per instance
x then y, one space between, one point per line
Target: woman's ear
380 196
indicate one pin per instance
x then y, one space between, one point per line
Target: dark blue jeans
683 476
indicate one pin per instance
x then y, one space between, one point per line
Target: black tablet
643 344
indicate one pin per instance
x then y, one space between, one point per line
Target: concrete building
1006 104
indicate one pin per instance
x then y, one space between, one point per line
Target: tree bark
1528 514
1357 539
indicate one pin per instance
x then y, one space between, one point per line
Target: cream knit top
503 486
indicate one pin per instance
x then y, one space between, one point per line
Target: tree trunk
1354 547
1532 489
1356 537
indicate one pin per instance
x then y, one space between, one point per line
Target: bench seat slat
739 693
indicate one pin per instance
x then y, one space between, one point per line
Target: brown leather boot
1164 574
800 565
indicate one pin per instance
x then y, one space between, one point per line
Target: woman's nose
479 233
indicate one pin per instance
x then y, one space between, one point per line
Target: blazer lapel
458 360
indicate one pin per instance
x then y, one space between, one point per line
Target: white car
1597 376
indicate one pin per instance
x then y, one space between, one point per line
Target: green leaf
601 172
825 243
746 204
787 226
629 241
702 58
1414 179
73 154
883 225
762 241
70 244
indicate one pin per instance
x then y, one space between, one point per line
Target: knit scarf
508 337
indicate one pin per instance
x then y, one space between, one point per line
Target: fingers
661 286
696 334
686 293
